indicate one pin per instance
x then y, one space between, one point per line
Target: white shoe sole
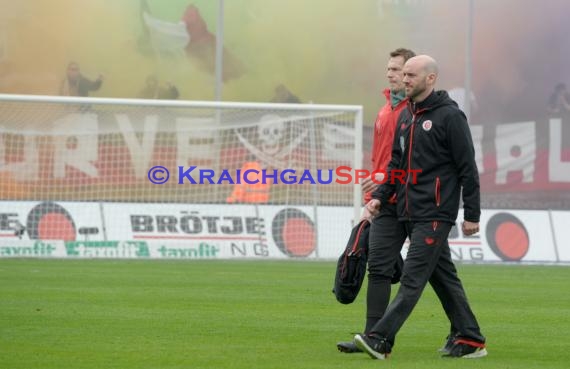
364 347
475 355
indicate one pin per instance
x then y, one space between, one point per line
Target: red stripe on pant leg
469 342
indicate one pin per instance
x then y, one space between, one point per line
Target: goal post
185 170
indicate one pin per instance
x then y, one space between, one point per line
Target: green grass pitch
59 314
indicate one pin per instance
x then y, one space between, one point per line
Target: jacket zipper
409 161
415 115
437 191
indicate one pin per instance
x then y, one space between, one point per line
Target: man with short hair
387 234
432 136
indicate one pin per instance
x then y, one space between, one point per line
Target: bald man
432 136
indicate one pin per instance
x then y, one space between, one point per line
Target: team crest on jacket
427 125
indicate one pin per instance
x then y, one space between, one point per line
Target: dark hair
404 53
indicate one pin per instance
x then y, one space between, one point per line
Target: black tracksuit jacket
433 136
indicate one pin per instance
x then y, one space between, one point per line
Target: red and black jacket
433 137
384 128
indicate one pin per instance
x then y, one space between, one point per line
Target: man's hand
369 185
469 228
371 209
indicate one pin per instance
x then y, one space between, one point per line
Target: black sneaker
467 349
446 349
376 347
348 347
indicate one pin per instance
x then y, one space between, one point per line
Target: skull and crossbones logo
270 132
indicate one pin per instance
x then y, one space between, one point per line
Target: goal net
238 179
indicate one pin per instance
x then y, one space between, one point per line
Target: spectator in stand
283 95
75 84
559 101
153 90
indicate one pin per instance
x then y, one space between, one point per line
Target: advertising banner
16 248
506 236
561 230
185 232
68 221
189 231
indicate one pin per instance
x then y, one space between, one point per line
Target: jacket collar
426 104
387 93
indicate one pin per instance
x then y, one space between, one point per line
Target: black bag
351 265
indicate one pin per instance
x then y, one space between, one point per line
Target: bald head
424 63
420 74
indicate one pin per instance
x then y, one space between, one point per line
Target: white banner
228 231
506 235
16 248
561 229
46 220
177 231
